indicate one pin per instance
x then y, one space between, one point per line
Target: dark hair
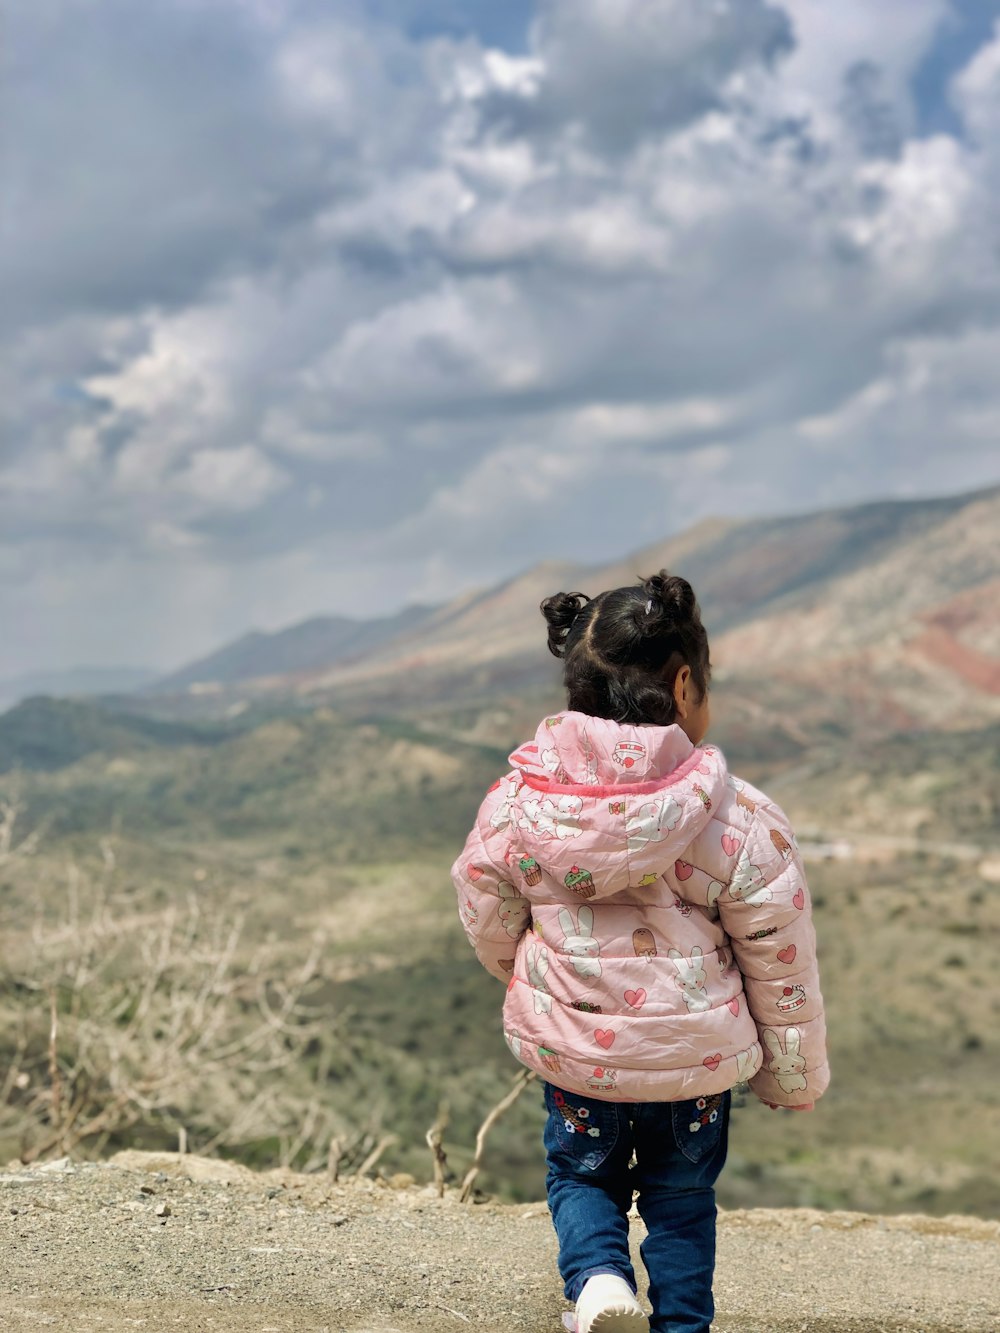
623 648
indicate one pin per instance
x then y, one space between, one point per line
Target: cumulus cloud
624 70
313 309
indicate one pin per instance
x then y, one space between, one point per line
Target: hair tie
649 606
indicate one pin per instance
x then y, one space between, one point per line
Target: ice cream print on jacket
579 943
633 919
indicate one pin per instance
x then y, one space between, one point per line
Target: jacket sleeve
492 909
765 910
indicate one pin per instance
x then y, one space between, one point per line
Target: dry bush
119 1025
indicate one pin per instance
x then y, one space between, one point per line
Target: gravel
158 1241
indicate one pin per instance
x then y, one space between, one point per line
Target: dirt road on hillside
157 1242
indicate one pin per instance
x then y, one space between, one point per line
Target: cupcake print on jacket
531 870
580 882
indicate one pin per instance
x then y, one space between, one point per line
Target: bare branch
385 1142
434 1135
522 1080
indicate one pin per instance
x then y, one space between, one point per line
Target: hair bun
669 600
671 591
560 610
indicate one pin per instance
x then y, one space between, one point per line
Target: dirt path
156 1242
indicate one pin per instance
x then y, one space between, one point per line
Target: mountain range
884 616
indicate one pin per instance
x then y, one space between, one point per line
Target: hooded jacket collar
574 752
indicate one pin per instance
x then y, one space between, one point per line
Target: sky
320 307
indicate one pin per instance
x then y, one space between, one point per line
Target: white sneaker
607 1305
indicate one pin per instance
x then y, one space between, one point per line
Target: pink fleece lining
540 783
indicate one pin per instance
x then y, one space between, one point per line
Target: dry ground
157 1242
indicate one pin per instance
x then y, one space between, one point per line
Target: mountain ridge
742 570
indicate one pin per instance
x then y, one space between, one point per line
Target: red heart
730 845
787 955
475 872
712 1062
682 870
799 899
635 998
629 762
733 1006
604 1037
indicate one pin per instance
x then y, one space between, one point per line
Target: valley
226 917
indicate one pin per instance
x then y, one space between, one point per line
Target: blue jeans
589 1146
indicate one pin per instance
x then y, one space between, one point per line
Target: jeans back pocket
579 1129
698 1124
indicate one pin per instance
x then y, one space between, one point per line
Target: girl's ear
682 691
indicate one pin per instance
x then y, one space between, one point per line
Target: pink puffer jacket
650 916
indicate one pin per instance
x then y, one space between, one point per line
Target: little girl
649 916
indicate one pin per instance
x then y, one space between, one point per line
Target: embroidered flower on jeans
713 1117
594 1132
557 1097
570 1127
583 1112
700 1103
694 1126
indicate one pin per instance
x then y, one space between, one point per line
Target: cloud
623 70
315 308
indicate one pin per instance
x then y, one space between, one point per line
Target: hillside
161 1241
79 681
292 652
310 827
877 618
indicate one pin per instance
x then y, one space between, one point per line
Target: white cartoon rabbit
557 819
514 910
538 965
691 977
500 818
579 942
652 822
714 892
748 883
744 1059
785 1064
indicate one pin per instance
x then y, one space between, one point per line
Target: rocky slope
160 1242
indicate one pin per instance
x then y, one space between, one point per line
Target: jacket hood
589 794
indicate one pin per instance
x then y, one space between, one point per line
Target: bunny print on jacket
660 923
691 978
579 943
785 1063
538 965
